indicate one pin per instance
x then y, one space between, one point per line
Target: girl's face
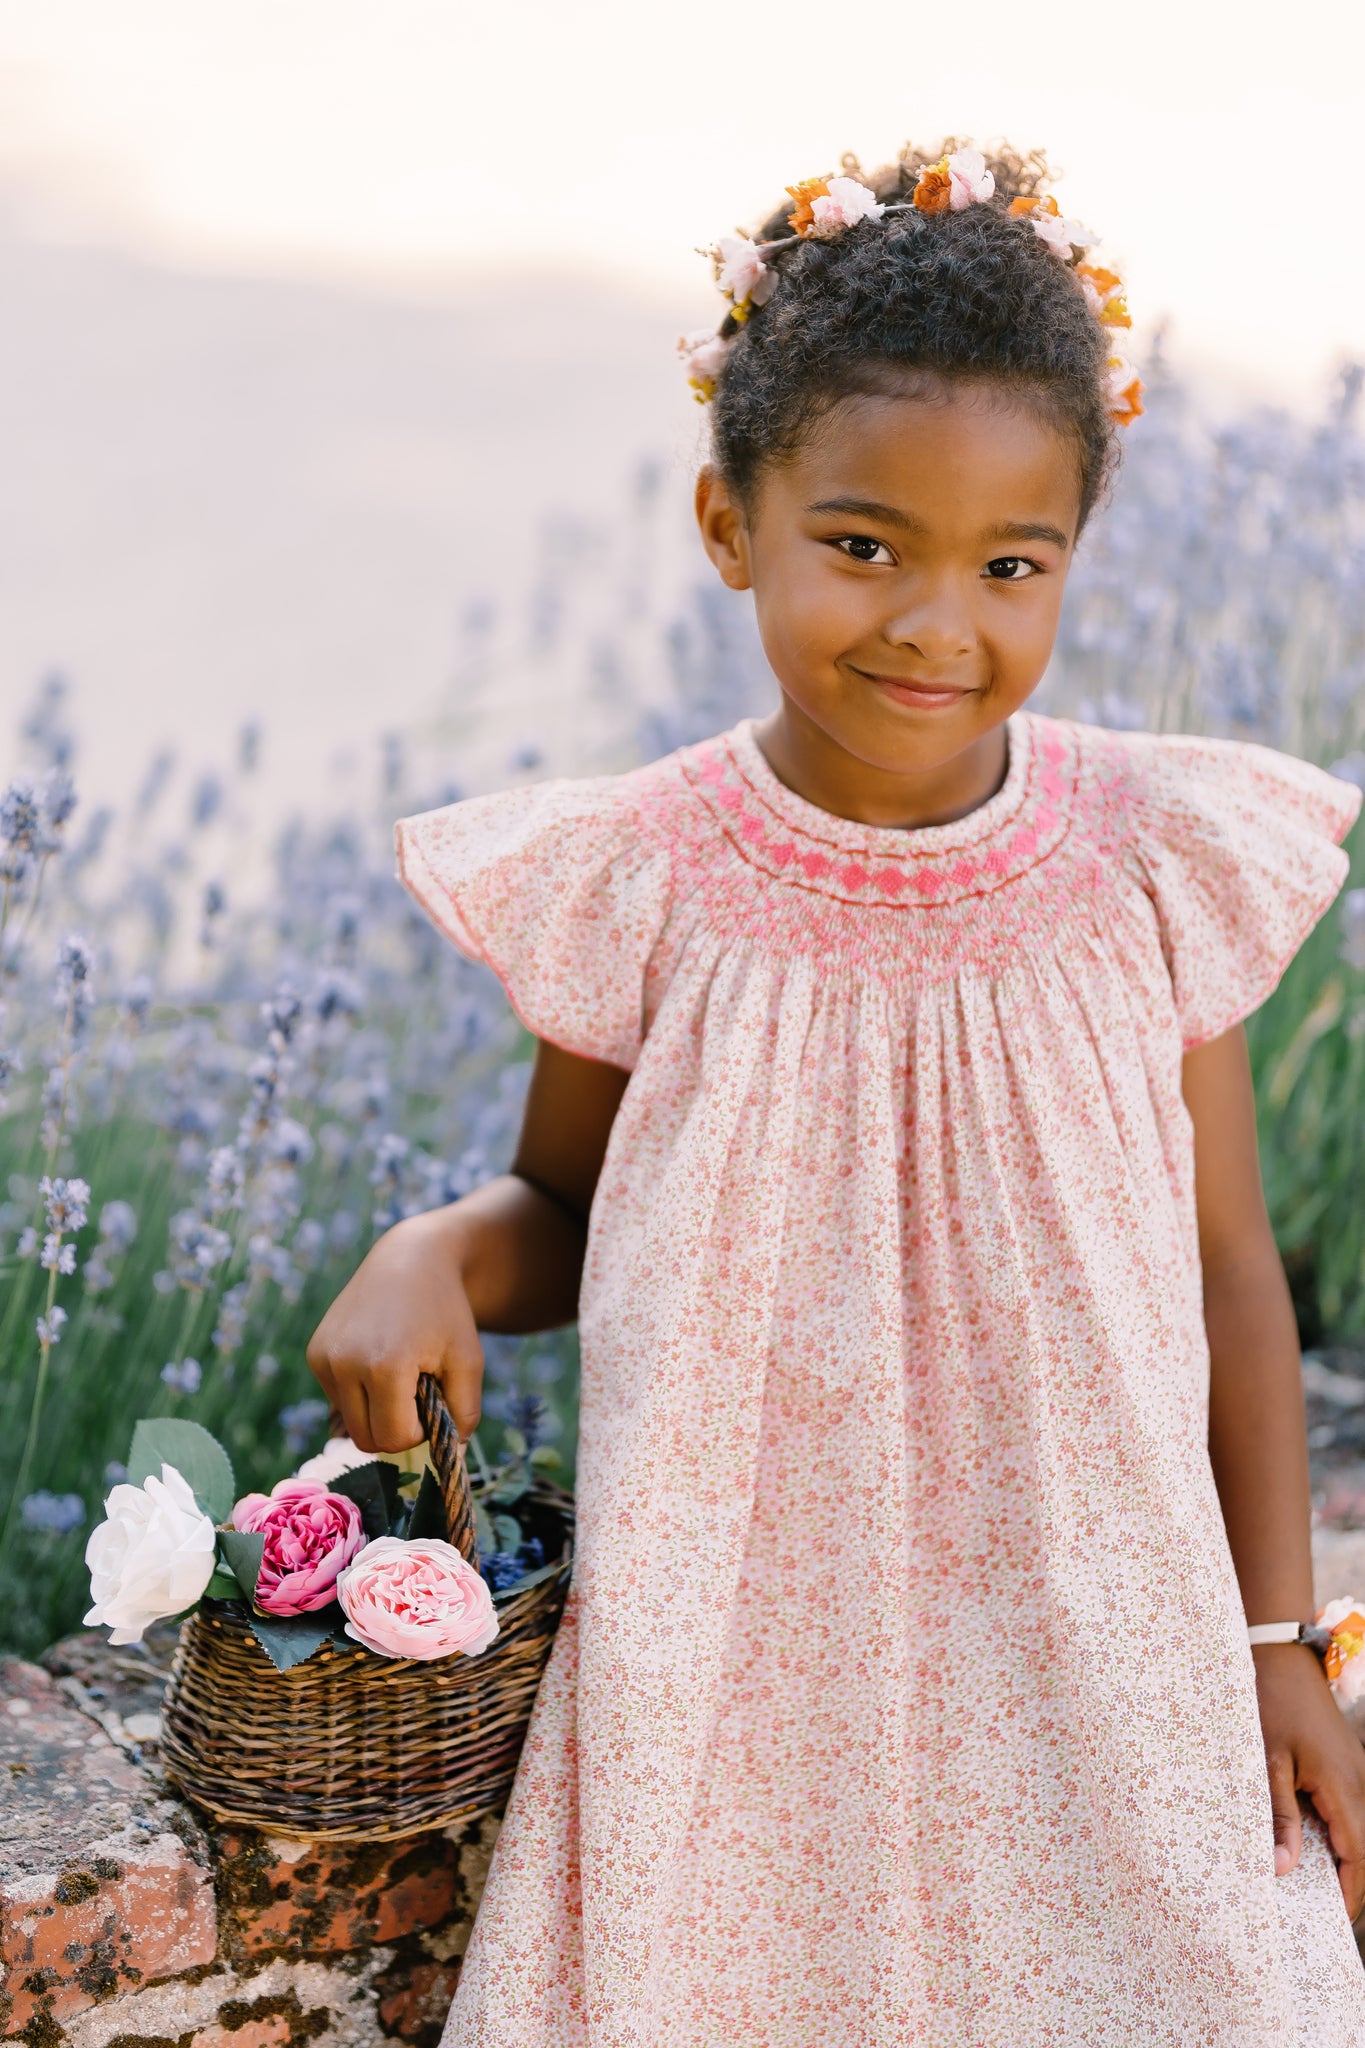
907 567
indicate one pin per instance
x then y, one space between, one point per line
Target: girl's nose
934 622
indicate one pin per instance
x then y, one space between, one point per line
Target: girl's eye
1011 569
860 547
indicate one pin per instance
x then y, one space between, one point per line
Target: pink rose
416 1600
310 1535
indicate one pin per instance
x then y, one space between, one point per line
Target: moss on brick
42 2031
235 2013
151 2040
75 1886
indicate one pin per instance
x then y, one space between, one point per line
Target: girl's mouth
919 695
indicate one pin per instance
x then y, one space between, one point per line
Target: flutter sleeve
555 889
1240 848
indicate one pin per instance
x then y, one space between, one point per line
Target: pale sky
1216 147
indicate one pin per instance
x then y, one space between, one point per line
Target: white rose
337 1455
151 1559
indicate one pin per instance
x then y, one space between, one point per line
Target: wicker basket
350 1746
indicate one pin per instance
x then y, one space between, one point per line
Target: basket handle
447 1455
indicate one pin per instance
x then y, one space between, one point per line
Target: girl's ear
724 534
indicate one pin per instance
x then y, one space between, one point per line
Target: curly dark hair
972 296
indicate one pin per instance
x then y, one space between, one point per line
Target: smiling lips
921 696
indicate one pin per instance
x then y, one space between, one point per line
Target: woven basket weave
350 1746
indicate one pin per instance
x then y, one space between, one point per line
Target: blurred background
347 468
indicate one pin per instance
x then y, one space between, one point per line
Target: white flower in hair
741 273
845 203
970 181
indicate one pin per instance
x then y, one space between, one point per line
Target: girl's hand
507 1257
403 1313
1310 1748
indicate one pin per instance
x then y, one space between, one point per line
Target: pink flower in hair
1060 234
846 202
741 273
703 357
969 181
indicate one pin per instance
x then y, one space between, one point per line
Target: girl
891 1136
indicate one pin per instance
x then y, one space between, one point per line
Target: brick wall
128 1922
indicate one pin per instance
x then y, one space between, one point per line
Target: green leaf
428 1511
546 1571
288 1642
483 1530
199 1458
507 1529
222 1586
515 1442
374 1489
509 1492
547 1456
242 1553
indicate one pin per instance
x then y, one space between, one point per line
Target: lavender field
228 1058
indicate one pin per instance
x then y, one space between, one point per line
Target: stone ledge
283 2005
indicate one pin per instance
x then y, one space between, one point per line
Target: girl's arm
1260 1461
508 1257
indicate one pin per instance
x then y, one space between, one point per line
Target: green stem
35 1414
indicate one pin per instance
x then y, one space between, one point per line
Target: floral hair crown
824 207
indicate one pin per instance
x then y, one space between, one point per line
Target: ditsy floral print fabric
903 1696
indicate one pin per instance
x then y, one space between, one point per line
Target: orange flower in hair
802 222
1125 397
1104 290
1035 205
1104 281
934 192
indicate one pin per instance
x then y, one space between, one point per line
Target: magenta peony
310 1536
416 1600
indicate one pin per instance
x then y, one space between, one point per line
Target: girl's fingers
1284 1807
461 1370
1342 1807
461 1380
394 1424
355 1412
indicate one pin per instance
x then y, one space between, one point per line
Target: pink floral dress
904 1693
